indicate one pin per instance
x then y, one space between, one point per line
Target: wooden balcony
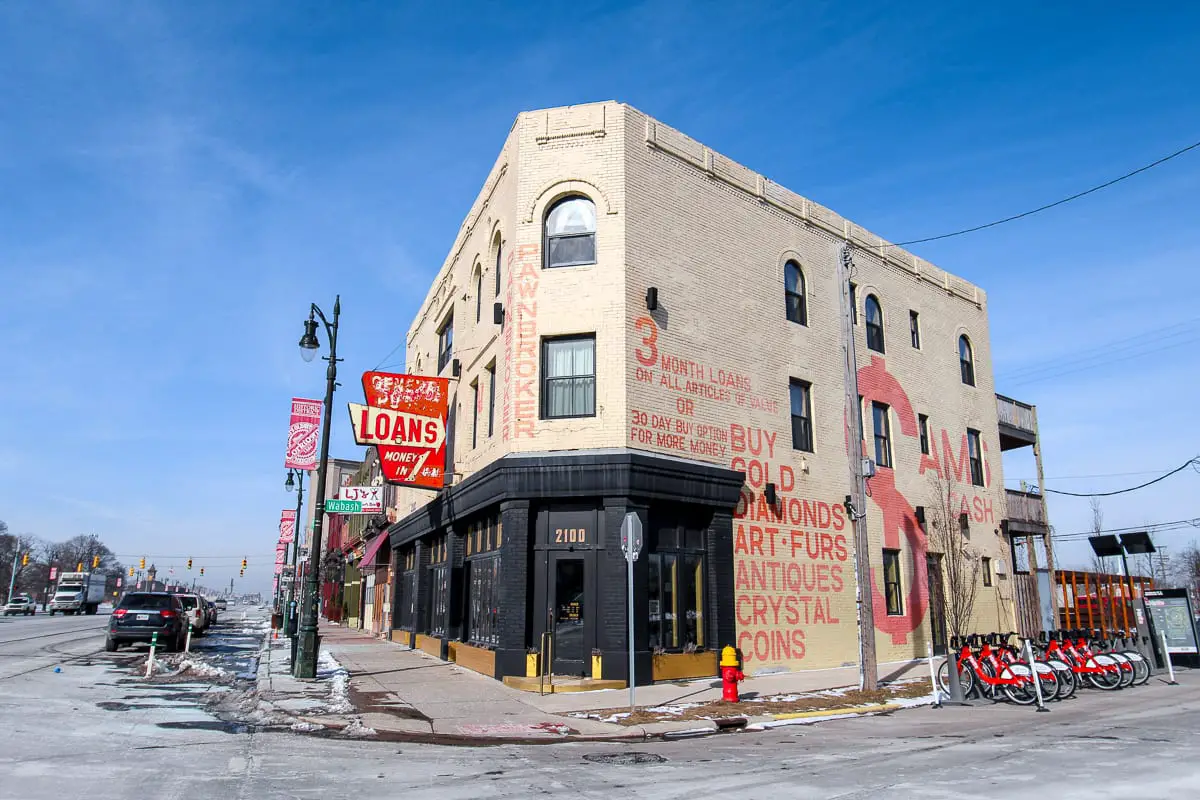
1018 425
1024 512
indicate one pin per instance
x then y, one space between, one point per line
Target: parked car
140 615
194 607
221 604
21 604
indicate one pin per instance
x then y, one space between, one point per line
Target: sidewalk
368 686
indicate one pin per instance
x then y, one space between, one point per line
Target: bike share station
990 666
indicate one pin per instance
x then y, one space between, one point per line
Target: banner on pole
303 432
287 526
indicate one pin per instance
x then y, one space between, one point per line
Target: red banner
405 419
287 526
280 558
303 432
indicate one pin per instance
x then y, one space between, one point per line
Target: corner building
639 324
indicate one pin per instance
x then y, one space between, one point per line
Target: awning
373 548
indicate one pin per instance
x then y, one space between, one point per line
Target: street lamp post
295 478
306 647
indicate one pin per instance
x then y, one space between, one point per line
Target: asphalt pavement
96 728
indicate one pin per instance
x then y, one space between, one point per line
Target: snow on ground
329 669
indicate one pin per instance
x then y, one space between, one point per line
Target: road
97 725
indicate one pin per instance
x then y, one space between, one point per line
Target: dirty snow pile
339 683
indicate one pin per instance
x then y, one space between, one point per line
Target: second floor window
914 328
569 377
987 571
491 379
966 360
793 292
883 435
499 247
923 430
445 342
853 304
570 238
801 399
475 414
874 323
975 449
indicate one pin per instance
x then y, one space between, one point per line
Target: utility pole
869 671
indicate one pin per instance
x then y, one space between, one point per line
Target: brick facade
705 378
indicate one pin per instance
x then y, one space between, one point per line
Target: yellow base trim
560 685
476 659
682 666
430 644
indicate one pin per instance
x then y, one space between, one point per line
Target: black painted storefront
561 565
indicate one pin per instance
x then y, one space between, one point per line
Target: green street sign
343 507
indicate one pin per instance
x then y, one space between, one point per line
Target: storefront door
937 604
569 614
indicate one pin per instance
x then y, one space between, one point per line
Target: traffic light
241 573
95 562
142 563
189 563
131 572
79 567
25 560
243 565
202 571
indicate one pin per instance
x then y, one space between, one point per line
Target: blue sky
181 180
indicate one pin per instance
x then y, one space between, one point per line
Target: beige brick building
641 325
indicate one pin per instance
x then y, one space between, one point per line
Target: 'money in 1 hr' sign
405 419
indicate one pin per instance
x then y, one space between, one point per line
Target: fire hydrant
730 675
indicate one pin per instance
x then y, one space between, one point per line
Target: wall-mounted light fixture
498 313
919 513
652 298
769 493
456 368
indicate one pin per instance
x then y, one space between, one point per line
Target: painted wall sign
303 431
405 419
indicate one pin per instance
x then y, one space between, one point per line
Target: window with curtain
793 293
445 342
975 450
802 426
966 360
883 435
570 237
874 323
569 377
891 583
491 379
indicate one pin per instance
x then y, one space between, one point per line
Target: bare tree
960 563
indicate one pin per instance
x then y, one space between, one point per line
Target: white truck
78 593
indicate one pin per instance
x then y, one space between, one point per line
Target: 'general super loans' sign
405 419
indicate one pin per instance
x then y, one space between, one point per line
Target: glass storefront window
676 602
440 601
483 621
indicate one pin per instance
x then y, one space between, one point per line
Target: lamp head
309 344
290 483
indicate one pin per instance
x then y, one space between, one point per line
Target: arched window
793 293
966 360
874 323
570 238
478 292
498 245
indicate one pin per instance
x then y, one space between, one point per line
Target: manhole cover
624 759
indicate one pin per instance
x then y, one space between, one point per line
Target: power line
1080 477
1035 378
1105 351
1157 527
1048 206
1180 468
